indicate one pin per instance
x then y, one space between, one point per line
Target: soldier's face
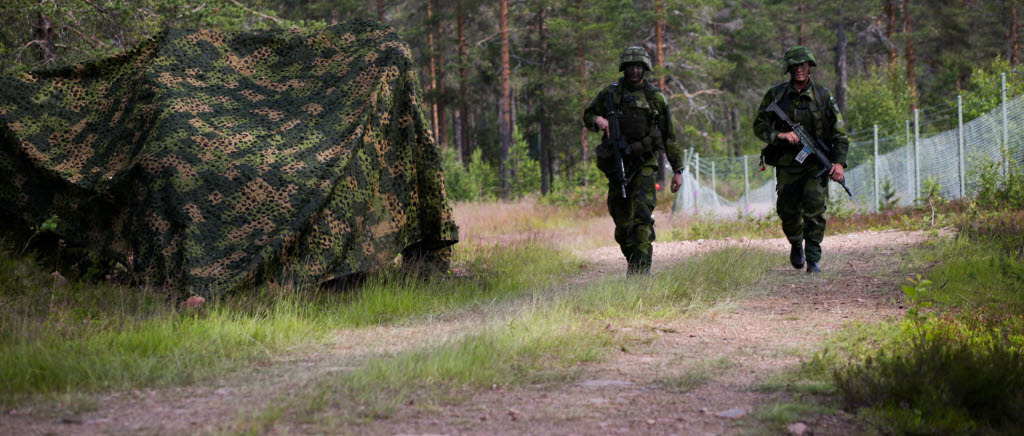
634 72
799 73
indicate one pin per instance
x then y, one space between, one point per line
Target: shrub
949 375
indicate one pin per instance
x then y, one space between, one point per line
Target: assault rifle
615 140
810 145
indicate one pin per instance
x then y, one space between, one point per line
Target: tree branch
262 15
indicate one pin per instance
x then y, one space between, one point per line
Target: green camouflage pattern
802 198
634 54
634 222
204 161
801 205
797 55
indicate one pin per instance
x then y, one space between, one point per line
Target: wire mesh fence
896 163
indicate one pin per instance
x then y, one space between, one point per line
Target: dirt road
718 361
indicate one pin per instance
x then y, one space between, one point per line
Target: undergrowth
58 336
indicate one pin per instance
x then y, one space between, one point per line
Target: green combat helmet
634 54
795 56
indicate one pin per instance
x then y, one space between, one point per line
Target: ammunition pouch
605 155
770 154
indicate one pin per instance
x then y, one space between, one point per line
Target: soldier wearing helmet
646 125
801 197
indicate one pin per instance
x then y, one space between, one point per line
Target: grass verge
955 363
61 337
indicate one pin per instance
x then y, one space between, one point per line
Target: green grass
546 342
60 338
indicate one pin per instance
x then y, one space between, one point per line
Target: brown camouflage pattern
205 160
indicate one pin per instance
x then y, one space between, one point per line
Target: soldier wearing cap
646 124
801 197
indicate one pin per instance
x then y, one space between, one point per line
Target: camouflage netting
205 161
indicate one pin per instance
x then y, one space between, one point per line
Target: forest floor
729 351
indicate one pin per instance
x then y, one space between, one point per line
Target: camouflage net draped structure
205 161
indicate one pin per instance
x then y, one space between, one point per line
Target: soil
740 345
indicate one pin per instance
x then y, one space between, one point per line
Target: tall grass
57 338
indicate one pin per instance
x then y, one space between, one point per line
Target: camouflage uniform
801 197
646 124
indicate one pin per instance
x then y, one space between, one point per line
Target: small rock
650 422
513 414
193 302
733 413
704 410
743 239
797 429
605 383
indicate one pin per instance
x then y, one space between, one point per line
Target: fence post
1006 137
876 168
746 187
960 142
917 154
907 148
696 182
714 184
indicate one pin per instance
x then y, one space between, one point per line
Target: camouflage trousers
634 225
801 207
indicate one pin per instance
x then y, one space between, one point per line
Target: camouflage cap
797 55
634 54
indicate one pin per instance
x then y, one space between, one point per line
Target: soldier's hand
836 174
677 181
601 123
789 137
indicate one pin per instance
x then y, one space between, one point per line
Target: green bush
947 375
999 187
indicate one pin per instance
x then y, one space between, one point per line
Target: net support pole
696 182
746 186
714 183
960 143
907 147
876 168
917 154
1006 136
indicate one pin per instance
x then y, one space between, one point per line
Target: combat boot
812 267
796 256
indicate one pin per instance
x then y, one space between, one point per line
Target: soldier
646 125
801 197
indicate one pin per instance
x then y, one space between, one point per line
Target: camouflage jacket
815 108
647 99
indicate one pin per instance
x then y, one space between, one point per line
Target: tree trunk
841 64
890 27
432 71
800 28
582 73
542 143
1013 47
43 35
442 125
659 52
504 102
380 10
463 89
911 80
